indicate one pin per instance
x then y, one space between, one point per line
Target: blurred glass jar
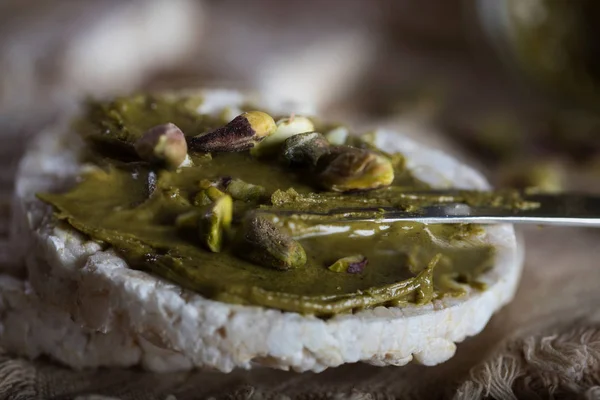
554 43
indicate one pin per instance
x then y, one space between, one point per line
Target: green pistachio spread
137 208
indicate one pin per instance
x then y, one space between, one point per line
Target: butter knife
567 209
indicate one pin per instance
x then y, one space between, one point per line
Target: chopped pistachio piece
206 183
263 243
208 196
282 197
213 193
286 128
215 221
241 190
243 133
305 148
352 264
202 199
163 144
348 168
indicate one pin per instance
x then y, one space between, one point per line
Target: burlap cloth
546 343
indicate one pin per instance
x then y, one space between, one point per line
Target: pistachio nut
206 183
215 221
241 190
236 188
242 133
337 136
364 141
187 162
283 197
208 196
348 168
305 149
263 243
352 264
214 193
163 144
286 128
202 199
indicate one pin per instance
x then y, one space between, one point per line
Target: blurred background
506 84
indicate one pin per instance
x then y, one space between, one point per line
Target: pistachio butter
198 226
